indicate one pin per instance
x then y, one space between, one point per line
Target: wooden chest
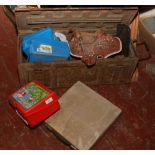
114 70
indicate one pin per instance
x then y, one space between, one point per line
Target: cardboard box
147 29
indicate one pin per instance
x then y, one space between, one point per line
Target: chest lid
81 17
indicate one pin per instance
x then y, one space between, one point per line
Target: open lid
64 18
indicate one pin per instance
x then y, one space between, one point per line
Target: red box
34 102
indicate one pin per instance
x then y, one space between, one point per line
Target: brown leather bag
91 46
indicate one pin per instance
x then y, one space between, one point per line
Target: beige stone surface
84 116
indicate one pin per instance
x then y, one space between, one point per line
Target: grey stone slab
84 116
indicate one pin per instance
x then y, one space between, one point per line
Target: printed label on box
30 95
49 100
44 48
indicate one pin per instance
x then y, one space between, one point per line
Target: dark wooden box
114 70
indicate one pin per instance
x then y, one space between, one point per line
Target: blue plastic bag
45 33
44 50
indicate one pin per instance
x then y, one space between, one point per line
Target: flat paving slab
84 116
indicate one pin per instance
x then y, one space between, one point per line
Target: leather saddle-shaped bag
91 46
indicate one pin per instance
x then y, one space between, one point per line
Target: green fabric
12 7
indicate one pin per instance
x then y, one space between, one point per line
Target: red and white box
34 102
